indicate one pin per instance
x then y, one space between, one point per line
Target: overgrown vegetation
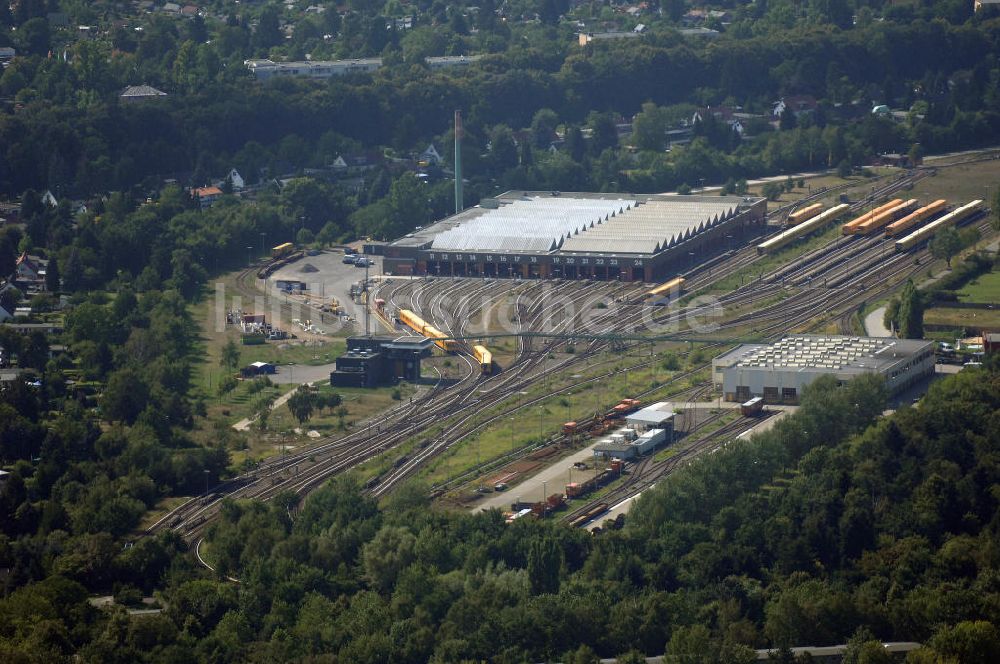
828 527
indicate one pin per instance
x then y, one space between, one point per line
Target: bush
773 190
128 595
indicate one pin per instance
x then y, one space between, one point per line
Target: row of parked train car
482 355
897 218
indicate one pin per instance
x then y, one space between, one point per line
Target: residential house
446 61
701 31
723 114
29 275
189 11
799 104
7 53
140 93
10 211
430 155
585 38
28 328
237 180
206 195
317 69
49 199
360 161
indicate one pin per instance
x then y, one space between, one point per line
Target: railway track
648 471
446 406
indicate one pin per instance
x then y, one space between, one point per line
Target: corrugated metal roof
651 227
530 224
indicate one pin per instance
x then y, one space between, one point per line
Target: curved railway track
447 405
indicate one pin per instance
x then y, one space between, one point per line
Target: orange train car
887 217
900 226
848 228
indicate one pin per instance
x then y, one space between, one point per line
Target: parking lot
327 278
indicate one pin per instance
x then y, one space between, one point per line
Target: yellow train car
484 357
662 293
447 345
411 320
423 328
956 216
806 213
282 250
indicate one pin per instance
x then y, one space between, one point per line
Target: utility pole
459 198
364 298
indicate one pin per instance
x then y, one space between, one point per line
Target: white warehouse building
778 371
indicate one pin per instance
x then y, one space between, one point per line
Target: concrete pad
874 327
556 477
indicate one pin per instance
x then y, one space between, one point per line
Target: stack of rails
786 237
420 326
484 357
956 216
887 217
808 212
661 294
849 227
915 217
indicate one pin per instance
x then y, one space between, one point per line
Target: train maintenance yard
567 349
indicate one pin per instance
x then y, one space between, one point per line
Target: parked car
349 259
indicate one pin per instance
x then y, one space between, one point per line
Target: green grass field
959 183
968 318
982 290
539 421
